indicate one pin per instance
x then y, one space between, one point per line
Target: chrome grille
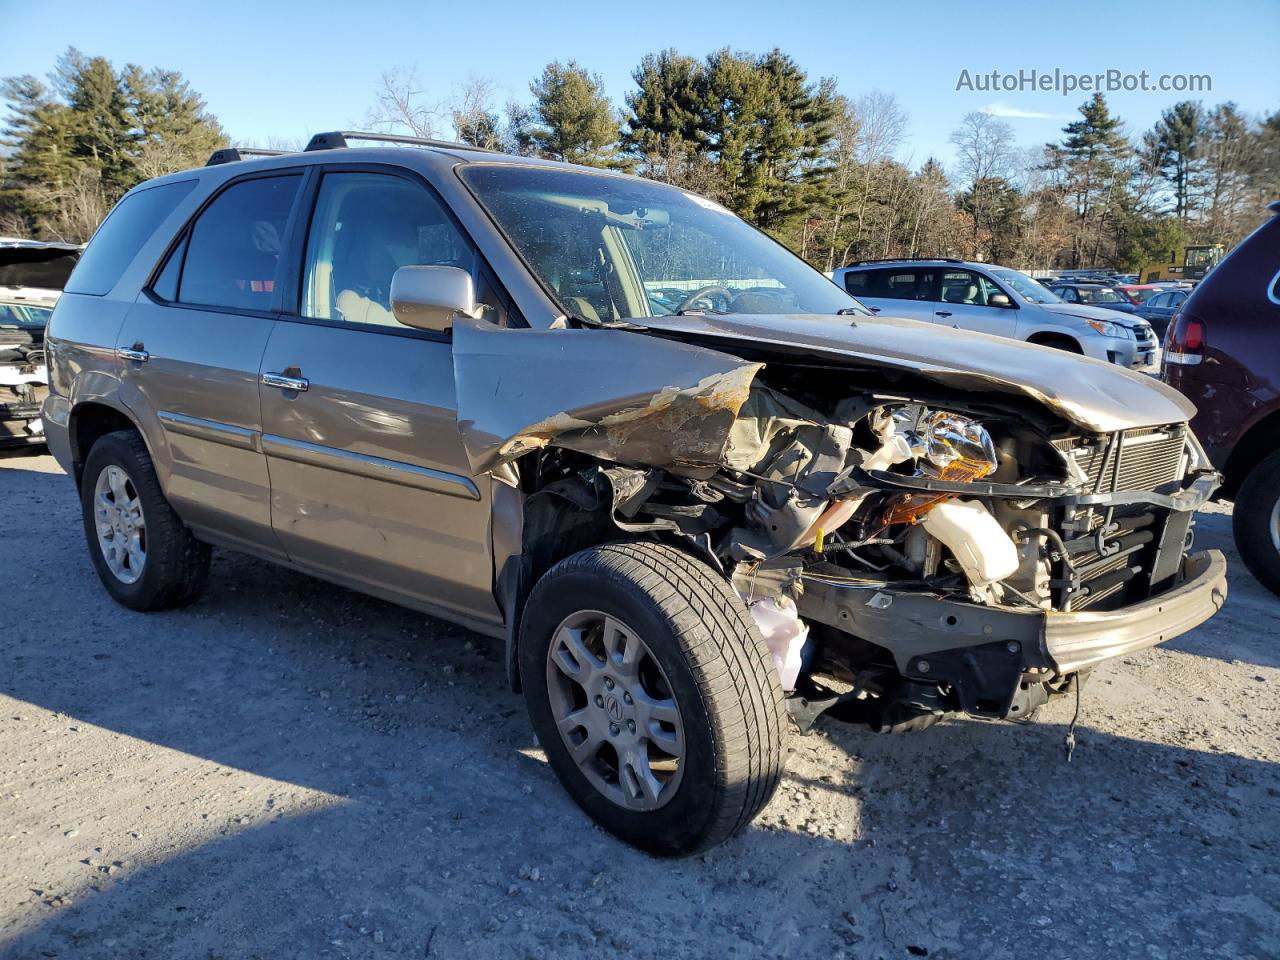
1148 458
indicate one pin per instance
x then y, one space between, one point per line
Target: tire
175 565
1255 521
714 665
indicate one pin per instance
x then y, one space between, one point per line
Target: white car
1000 301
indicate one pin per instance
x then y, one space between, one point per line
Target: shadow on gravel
973 838
449 840
1248 628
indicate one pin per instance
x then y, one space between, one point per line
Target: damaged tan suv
690 483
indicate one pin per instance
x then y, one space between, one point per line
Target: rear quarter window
127 227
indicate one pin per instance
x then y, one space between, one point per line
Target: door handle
135 353
874 309
942 313
281 382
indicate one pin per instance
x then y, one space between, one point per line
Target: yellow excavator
1185 263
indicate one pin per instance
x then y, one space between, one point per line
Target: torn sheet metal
1098 396
620 396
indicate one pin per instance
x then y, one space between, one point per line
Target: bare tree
400 105
985 155
881 125
78 204
474 119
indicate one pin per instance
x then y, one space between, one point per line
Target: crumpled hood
1086 312
1100 397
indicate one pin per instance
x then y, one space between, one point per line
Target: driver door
370 484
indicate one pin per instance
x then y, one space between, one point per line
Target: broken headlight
947 446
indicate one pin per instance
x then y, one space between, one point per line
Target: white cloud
1002 109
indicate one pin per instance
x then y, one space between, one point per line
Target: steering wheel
701 292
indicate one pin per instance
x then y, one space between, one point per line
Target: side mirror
427 297
995 300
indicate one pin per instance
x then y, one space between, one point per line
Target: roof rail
337 140
232 154
855 263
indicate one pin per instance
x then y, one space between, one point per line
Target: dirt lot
291 770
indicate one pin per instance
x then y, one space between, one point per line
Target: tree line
819 170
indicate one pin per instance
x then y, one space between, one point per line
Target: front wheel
651 690
1255 521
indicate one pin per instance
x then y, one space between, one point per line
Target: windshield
24 315
1138 295
616 249
1024 287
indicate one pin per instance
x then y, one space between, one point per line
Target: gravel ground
288 769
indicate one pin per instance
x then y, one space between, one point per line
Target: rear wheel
144 555
651 690
1255 521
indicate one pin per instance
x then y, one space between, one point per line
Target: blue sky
287 69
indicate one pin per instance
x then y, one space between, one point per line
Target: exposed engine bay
907 548
24 384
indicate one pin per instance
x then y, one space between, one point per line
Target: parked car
32 271
1223 350
466 383
997 300
1161 307
1137 293
32 274
1094 294
23 378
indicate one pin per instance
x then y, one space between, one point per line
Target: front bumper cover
985 653
1078 641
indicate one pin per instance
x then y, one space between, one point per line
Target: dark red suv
1223 351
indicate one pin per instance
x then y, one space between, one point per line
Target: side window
987 287
858 283
904 285
122 235
365 227
233 251
963 286
1159 300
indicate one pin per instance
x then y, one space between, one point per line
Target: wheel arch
1054 338
89 421
1254 446
555 527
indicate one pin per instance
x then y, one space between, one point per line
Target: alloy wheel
615 710
121 526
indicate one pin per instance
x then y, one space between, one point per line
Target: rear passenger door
369 480
192 345
962 303
894 292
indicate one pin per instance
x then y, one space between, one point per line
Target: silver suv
688 483
1000 301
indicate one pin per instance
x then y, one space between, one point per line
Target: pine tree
81 142
571 118
1090 164
1178 136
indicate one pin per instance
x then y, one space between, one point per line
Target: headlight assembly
1109 329
948 446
